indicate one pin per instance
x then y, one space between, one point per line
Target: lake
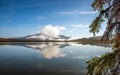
45 58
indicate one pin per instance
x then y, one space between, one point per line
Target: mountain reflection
48 58
49 50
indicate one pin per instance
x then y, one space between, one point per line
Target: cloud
70 31
40 17
48 32
80 26
75 12
73 38
81 57
52 31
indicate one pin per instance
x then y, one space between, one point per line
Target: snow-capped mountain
40 36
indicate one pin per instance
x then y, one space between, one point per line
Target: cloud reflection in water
49 50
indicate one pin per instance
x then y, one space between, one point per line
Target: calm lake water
47 58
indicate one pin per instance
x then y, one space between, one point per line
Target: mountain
90 39
41 36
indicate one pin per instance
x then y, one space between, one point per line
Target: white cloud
75 12
40 17
80 26
81 57
70 31
73 38
52 31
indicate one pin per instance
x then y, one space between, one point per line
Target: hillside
64 39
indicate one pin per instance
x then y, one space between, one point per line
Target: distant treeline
27 40
82 40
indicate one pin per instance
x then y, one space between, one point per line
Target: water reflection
49 50
47 58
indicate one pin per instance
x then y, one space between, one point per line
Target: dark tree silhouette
109 63
109 10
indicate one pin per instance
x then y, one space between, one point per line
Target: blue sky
23 17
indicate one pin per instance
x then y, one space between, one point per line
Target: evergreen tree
109 63
109 10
